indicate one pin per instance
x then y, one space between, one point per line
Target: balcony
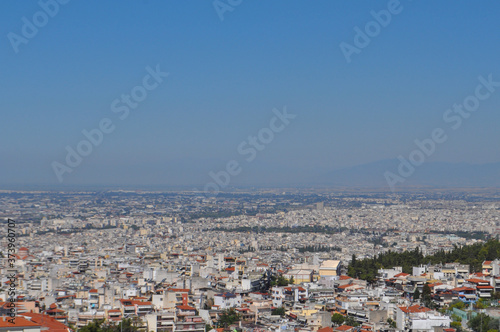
164 329
188 326
165 318
165 323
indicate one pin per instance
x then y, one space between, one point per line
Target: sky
232 66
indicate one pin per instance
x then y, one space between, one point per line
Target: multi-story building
227 300
163 321
329 268
418 318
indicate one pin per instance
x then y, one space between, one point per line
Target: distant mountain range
429 174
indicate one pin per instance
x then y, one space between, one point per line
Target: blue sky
226 77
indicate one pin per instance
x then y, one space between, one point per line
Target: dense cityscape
249 166
280 260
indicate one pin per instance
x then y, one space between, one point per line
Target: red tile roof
326 329
185 307
414 308
350 285
48 323
401 275
462 289
18 322
477 281
435 284
180 290
135 302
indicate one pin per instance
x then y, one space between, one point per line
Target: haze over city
249 166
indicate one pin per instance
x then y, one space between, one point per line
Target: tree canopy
474 255
278 311
338 319
228 317
99 325
483 322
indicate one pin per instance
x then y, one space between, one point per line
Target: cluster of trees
281 281
228 317
319 248
315 248
278 311
99 325
248 249
215 214
483 322
339 319
379 240
295 229
474 255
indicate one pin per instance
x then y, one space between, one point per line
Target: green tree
482 322
351 321
426 296
99 325
338 319
126 325
457 326
278 312
457 304
228 317
391 323
480 304
473 255
280 281
93 326
416 294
